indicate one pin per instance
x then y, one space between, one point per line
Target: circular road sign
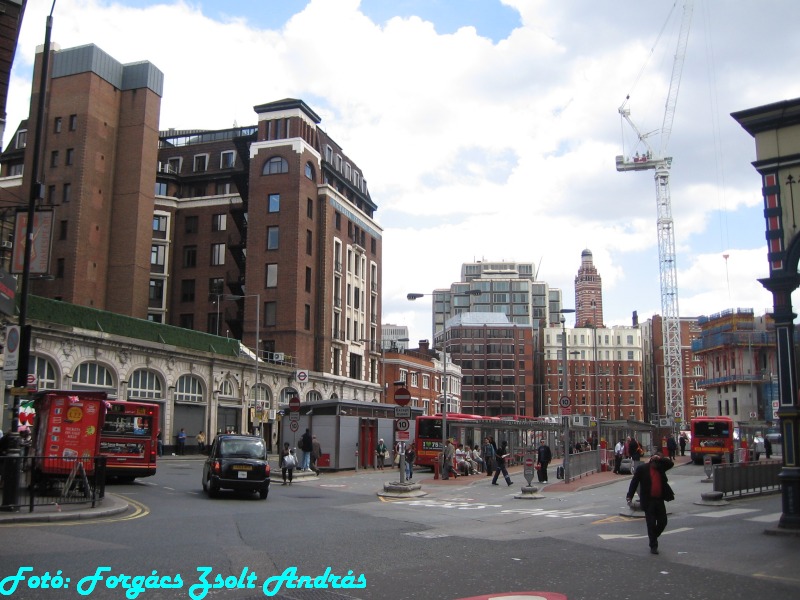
294 404
402 424
402 396
564 401
294 425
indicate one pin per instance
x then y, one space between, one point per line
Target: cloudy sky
487 129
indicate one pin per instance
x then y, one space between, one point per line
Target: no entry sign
402 396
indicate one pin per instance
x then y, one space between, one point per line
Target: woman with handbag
382 453
288 463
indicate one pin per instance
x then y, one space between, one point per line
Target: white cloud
497 151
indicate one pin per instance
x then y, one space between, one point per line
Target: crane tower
660 163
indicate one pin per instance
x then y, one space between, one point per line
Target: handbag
397 459
289 461
669 495
538 466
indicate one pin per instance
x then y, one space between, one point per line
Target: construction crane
657 160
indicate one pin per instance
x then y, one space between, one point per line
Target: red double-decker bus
129 438
711 436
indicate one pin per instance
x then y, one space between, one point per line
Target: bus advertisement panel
711 436
129 438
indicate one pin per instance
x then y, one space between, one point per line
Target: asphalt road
459 541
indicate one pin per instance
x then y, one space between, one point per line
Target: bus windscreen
712 429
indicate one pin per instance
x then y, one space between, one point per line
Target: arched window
226 388
275 165
44 371
188 389
310 171
90 374
145 385
286 393
314 396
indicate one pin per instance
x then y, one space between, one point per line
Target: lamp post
256 389
596 395
414 296
565 370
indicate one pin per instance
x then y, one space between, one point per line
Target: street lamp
256 388
445 402
565 370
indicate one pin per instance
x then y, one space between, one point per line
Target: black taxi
237 462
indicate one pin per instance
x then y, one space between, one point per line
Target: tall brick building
263 233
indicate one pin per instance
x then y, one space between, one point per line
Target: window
60 268
160 226
216 286
273 203
200 163
16 169
161 188
217 254
224 187
186 321
62 230
273 237
338 220
275 166
310 208
307 317
219 222
158 253
309 241
156 293
190 256
145 385
54 158
57 125
308 279
310 171
70 157
44 371
22 139
191 224
270 313
91 374
227 159
66 192
188 389
271 277
174 165
73 122
187 290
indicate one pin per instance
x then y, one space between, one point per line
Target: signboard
403 436
294 404
566 410
529 467
40 250
294 426
402 424
402 412
564 402
11 352
402 396
294 417
301 376
69 428
776 404
8 292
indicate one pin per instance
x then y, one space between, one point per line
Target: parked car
237 462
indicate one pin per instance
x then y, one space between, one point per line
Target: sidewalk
50 513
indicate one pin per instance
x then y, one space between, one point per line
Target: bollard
436 470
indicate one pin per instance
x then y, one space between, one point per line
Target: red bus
711 436
129 438
468 429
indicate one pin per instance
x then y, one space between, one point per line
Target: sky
488 129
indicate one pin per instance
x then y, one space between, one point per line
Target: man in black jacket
306 445
651 479
543 457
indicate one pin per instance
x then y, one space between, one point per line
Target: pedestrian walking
619 451
672 447
316 452
411 455
500 464
488 456
382 453
201 442
651 480
767 448
682 443
543 457
288 463
160 440
182 442
635 451
447 460
306 445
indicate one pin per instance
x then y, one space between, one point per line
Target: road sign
402 412
294 417
294 425
294 404
564 402
301 376
530 467
402 396
567 410
402 424
403 436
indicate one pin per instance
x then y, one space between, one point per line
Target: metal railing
55 480
738 479
580 464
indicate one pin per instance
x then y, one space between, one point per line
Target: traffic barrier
747 477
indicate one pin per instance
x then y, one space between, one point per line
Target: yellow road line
139 510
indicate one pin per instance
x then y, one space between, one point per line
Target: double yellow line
139 511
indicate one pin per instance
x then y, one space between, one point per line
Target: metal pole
566 393
444 400
256 396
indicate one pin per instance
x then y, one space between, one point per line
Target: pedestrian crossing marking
731 512
771 518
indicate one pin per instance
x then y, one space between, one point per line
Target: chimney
424 346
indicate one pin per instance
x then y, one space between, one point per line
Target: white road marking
731 512
771 518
